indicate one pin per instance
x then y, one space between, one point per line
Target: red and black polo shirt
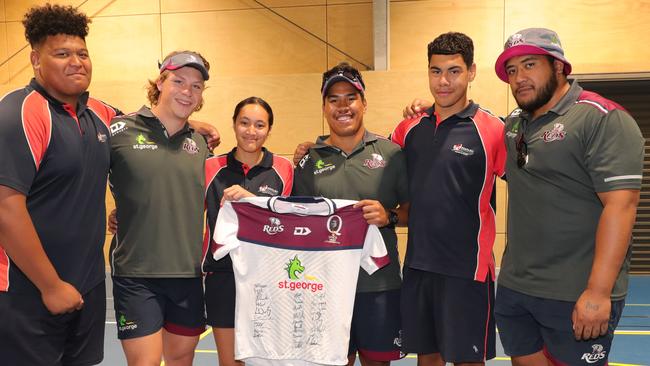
273 176
452 166
59 158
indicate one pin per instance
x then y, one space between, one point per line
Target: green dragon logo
294 266
122 320
141 140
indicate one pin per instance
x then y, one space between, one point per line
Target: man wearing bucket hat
574 164
157 179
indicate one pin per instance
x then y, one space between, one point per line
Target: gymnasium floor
631 345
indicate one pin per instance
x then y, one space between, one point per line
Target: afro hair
50 20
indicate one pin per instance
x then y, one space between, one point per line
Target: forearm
612 239
20 240
403 213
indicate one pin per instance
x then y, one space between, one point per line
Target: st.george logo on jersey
275 227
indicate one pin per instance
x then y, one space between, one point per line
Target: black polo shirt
452 166
59 158
273 176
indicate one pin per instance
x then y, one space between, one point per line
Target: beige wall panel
245 42
402 238
311 18
20 69
119 55
502 205
335 57
387 93
416 23
349 29
616 36
16 9
4 69
499 246
103 8
127 95
295 100
176 6
2 10
107 246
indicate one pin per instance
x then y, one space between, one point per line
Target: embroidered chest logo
101 137
143 144
377 161
462 150
556 134
189 145
275 226
596 354
334 225
322 167
267 190
118 127
514 129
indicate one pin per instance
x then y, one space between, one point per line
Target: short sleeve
303 177
374 255
614 152
24 139
402 177
225 231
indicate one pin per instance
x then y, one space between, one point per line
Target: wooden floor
631 344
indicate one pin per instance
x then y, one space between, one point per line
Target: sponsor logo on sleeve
118 127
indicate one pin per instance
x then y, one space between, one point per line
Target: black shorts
31 336
220 299
448 315
145 305
529 324
375 329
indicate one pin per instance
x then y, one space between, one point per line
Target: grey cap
183 59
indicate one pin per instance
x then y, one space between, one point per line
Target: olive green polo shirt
158 182
584 145
376 170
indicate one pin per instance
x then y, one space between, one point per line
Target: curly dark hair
50 20
452 43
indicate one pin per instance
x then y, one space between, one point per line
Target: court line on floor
621 332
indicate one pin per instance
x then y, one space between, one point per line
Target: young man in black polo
54 157
455 152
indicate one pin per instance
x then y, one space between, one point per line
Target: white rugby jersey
296 262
